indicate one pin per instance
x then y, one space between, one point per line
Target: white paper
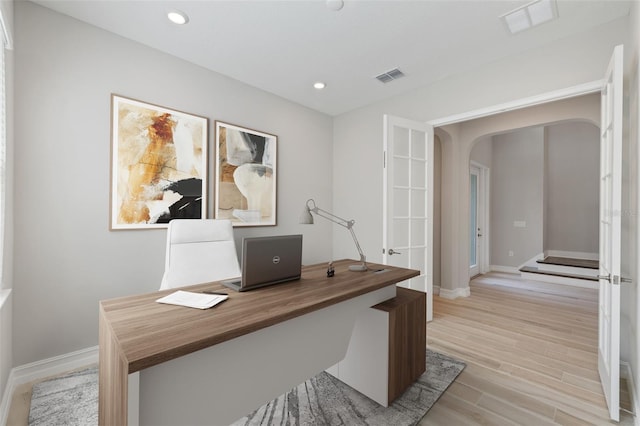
192 300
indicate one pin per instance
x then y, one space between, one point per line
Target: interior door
474 223
610 229
408 201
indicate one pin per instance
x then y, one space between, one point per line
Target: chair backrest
199 251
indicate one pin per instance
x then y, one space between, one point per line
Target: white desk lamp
307 218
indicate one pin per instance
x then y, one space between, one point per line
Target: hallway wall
572 189
517 192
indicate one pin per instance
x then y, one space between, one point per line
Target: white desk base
222 383
365 366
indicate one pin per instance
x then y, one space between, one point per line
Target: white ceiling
283 47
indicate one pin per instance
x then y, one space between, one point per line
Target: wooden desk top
150 333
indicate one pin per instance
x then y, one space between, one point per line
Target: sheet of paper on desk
192 300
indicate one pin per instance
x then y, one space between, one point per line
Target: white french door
610 232
408 201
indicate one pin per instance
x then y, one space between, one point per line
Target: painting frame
159 165
246 170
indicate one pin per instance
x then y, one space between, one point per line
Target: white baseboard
506 269
41 369
454 294
627 373
436 290
572 254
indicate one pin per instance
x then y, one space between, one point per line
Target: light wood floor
530 350
531 354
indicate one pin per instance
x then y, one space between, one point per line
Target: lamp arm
311 205
355 240
332 217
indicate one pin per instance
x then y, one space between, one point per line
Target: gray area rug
320 401
325 401
71 399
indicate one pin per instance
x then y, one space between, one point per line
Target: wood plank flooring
531 354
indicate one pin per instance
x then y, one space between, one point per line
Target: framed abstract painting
246 176
158 165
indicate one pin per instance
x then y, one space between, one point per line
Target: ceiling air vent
391 75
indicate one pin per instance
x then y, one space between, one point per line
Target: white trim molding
455 293
484 214
556 95
42 369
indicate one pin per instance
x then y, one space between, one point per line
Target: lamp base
358 268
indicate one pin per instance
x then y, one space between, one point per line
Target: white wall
517 191
66 259
572 188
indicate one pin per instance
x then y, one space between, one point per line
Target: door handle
392 252
616 279
479 235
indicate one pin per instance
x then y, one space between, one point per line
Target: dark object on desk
331 271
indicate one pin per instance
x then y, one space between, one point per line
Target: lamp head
306 217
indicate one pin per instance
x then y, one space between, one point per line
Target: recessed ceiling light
531 14
178 17
319 85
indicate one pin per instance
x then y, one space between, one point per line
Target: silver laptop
267 261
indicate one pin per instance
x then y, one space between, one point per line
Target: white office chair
199 251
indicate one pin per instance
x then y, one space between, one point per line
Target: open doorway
454 145
545 198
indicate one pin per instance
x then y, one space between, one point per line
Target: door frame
483 215
543 98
